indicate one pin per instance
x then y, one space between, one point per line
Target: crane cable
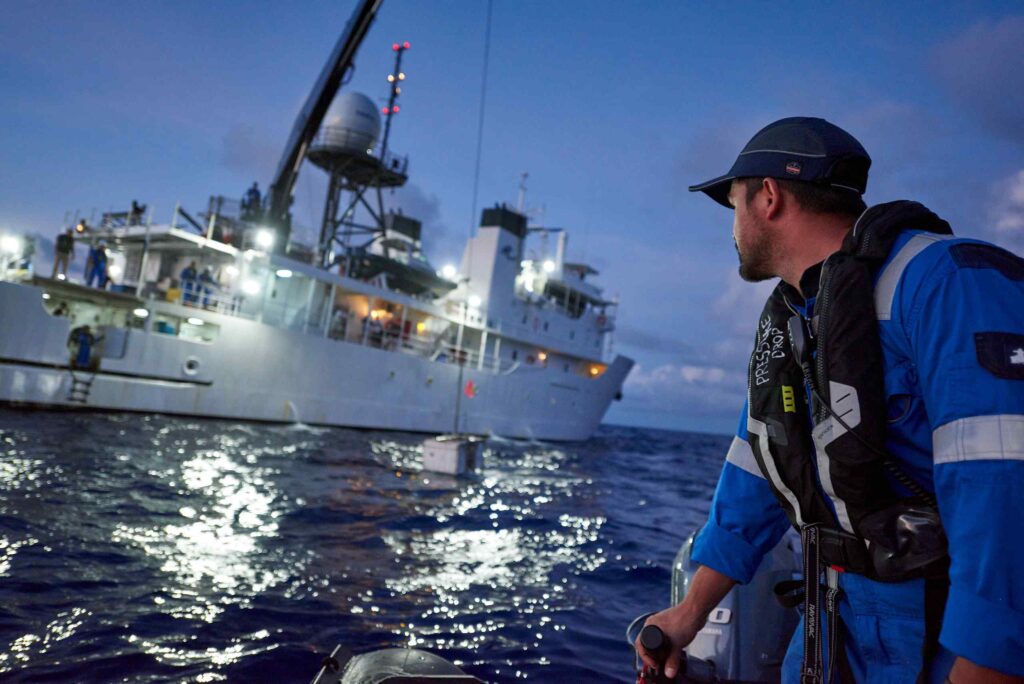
480 123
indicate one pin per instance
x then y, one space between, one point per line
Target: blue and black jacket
951 324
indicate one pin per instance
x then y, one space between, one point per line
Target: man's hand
681 623
679 629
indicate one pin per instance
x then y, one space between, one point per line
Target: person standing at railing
96 266
252 202
189 285
64 253
207 285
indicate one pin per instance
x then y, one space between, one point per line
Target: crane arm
312 114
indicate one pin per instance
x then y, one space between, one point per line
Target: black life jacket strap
811 668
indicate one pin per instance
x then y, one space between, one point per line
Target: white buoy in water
453 454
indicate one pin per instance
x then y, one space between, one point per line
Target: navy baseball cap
799 148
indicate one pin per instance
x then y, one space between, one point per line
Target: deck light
542 356
10 244
251 287
283 273
549 266
449 272
61 276
231 271
141 313
391 78
474 301
114 270
192 320
46 295
264 239
420 327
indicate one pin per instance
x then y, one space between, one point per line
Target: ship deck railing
348 328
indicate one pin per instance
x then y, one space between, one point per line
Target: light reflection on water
174 550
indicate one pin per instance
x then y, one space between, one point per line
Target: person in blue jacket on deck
884 420
189 284
96 266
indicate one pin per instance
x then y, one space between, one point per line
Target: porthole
191 366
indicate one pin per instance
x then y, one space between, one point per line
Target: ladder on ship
80 387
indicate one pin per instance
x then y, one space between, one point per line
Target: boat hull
254 371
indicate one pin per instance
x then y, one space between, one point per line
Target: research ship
222 314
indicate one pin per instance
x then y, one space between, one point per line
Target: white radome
352 122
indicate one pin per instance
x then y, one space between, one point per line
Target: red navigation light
397 109
406 45
395 47
383 110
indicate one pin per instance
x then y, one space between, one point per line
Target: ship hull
259 372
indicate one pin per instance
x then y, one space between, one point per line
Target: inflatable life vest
865 525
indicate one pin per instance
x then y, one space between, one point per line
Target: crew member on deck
64 253
207 286
189 285
96 266
252 202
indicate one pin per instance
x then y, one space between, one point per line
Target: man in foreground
884 420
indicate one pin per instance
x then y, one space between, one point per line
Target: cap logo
793 168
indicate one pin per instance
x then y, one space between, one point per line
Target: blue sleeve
745 521
964 319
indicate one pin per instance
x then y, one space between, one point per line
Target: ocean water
159 549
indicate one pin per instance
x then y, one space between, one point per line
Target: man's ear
772 198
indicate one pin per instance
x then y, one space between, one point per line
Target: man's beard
755 263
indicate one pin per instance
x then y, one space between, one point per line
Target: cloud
1007 212
651 342
983 70
696 392
740 304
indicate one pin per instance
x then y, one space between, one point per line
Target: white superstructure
517 347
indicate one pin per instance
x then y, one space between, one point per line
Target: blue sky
612 108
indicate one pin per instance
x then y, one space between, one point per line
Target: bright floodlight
284 273
141 313
61 276
449 272
251 287
10 244
474 301
115 271
192 320
549 266
264 239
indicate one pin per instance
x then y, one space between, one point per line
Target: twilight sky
612 108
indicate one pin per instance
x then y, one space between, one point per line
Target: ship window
515 354
565 368
166 325
545 325
198 330
572 334
524 319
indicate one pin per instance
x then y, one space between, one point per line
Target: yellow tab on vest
788 399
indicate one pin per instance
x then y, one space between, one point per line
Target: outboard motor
390 666
746 636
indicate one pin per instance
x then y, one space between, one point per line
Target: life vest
819 416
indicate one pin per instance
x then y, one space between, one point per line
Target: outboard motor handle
691 670
654 642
